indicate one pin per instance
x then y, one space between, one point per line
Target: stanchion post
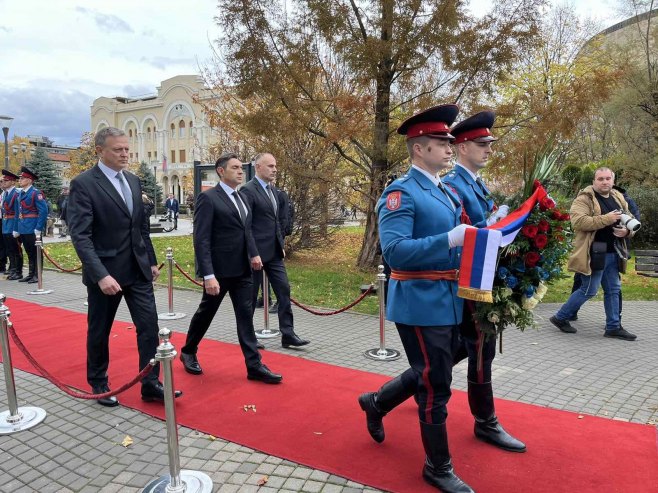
40 290
382 353
16 419
176 481
171 314
266 333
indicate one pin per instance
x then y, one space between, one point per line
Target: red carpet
313 418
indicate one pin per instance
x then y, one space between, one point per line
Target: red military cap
28 173
434 122
476 128
9 175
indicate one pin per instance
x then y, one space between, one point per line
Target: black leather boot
377 404
487 427
438 469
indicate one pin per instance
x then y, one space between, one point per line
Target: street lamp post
23 150
5 121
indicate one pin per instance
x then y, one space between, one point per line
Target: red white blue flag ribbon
480 251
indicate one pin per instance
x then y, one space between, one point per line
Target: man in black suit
110 233
171 205
261 195
225 249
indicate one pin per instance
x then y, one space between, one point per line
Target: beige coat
586 219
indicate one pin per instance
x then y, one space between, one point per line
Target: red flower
556 214
541 241
529 230
543 226
558 228
531 259
566 217
546 203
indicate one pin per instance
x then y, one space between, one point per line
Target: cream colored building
166 130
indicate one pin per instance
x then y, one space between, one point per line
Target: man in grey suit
110 233
261 195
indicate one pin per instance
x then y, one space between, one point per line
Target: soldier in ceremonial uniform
473 140
421 237
10 196
32 212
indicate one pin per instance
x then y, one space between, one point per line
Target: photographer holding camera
601 222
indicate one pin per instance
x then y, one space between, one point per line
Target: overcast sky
57 56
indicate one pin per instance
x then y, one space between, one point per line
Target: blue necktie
125 190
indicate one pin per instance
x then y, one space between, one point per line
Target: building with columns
166 130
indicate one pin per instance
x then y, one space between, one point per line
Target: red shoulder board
394 201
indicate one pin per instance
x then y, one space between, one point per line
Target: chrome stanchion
171 315
382 353
40 289
17 418
176 481
266 333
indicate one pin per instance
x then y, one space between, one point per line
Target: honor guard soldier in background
473 140
421 238
32 211
10 197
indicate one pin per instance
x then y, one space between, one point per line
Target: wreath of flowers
534 260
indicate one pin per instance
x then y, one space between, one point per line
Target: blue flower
543 275
502 272
518 265
511 281
529 291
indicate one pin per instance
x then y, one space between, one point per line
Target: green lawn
327 276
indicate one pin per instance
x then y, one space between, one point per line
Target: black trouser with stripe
29 243
430 353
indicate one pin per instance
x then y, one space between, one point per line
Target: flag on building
164 164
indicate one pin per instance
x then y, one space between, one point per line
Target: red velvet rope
45 253
187 276
161 266
335 312
66 389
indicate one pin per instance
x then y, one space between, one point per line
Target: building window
149 155
191 132
137 156
155 155
131 156
173 156
130 133
173 131
181 126
182 156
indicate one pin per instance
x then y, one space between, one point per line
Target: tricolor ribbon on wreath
480 251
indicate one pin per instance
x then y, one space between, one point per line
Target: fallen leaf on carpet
580 416
127 442
262 481
317 433
211 438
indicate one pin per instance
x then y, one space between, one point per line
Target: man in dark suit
261 195
110 233
225 250
171 205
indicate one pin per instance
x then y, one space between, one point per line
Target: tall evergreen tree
151 187
49 181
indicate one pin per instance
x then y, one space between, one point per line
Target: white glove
37 232
500 213
456 235
15 234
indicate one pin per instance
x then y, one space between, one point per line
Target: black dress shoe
294 340
154 392
259 303
492 432
274 308
14 276
191 363
105 401
563 325
25 279
33 280
260 345
263 374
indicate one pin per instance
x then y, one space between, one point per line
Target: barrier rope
79 395
161 266
335 312
187 276
52 261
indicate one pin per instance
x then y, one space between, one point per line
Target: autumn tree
149 183
84 157
552 92
349 72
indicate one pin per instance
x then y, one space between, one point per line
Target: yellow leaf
211 438
127 441
262 481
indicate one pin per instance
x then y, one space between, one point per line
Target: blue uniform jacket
9 216
414 219
474 197
31 211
